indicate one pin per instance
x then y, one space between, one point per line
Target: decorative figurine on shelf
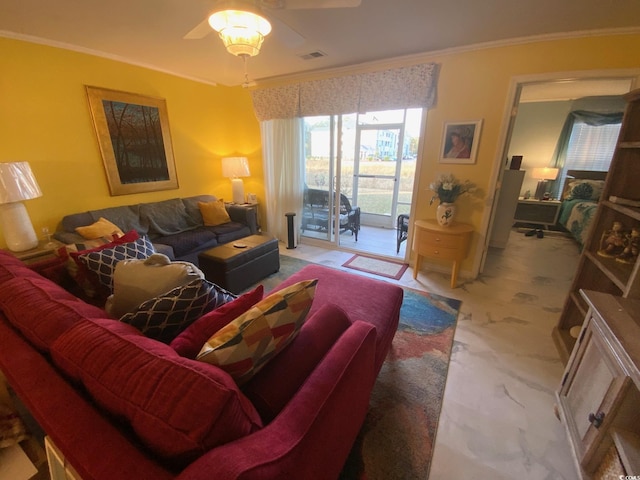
612 243
631 247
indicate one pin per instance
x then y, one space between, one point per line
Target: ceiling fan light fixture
241 31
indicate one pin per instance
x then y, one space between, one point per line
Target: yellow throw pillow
245 345
101 228
214 213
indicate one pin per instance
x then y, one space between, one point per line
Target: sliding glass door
329 151
369 160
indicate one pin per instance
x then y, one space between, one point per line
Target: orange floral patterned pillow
246 344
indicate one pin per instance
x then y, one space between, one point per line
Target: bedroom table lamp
17 183
543 175
235 168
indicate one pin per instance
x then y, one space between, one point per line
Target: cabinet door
593 391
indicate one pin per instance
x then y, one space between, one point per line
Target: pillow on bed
585 189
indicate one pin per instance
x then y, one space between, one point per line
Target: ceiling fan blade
285 34
309 4
200 31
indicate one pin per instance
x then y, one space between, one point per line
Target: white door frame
509 114
378 220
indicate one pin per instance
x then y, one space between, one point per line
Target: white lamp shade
545 173
235 167
17 182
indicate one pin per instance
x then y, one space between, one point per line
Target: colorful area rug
377 266
397 438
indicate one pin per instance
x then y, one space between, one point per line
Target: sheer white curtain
282 151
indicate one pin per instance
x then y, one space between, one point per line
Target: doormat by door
376 266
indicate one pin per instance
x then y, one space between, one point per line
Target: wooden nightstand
434 241
43 251
539 212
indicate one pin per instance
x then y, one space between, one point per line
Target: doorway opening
550 96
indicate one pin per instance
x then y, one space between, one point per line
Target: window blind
591 147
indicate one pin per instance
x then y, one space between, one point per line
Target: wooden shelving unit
599 394
594 271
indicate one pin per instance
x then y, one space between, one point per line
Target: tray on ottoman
238 265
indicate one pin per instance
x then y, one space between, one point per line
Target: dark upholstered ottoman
236 268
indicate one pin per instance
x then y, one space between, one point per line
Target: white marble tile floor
497 420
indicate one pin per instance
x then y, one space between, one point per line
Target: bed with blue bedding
581 194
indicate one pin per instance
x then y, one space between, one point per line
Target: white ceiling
150 32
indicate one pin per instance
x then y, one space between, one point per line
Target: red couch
120 405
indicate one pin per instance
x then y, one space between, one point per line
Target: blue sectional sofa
175 226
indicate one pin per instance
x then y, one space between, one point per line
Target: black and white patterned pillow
103 262
166 315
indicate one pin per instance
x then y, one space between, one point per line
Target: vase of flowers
447 189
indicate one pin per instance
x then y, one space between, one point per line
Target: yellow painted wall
474 85
45 120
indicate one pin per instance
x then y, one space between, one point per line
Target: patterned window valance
406 87
278 102
330 96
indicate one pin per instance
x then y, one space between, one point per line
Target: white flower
447 188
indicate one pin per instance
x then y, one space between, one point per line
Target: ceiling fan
243 37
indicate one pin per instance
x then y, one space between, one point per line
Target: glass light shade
545 173
235 167
242 32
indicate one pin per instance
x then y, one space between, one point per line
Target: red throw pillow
191 340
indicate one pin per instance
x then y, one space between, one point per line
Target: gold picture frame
134 139
460 142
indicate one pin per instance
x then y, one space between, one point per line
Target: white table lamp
235 168
543 175
17 183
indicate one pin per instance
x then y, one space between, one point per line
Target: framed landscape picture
134 139
460 142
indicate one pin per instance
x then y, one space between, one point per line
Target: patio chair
402 229
315 215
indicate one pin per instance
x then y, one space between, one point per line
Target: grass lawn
374 194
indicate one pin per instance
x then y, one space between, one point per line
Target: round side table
435 241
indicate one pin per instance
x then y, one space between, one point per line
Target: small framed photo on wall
460 142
